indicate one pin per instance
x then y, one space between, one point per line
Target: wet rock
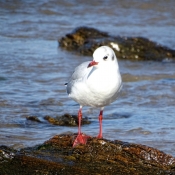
6 154
85 40
66 120
34 118
57 156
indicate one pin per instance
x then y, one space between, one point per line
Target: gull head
103 56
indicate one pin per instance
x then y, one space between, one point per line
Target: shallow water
33 71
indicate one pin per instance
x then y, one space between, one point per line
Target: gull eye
105 58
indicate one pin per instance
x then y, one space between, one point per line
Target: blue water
33 71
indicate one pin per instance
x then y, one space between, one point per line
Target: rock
34 118
57 156
66 120
6 154
85 40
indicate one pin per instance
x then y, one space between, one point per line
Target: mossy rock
98 156
85 40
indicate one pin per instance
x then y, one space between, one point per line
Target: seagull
95 83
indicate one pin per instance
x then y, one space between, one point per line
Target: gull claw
80 139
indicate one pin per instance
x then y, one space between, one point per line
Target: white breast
97 89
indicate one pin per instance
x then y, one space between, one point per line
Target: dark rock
57 156
66 120
33 118
6 154
85 40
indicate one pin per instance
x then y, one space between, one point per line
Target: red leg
79 120
81 138
100 135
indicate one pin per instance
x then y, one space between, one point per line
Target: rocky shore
84 40
98 156
57 156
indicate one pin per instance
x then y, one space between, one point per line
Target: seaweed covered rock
57 156
64 120
85 40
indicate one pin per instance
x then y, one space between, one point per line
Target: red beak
92 63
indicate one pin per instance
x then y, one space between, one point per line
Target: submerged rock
66 120
85 40
34 118
57 156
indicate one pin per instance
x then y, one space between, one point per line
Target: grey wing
78 74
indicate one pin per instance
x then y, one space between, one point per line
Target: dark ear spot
112 57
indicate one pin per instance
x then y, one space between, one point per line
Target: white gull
95 83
